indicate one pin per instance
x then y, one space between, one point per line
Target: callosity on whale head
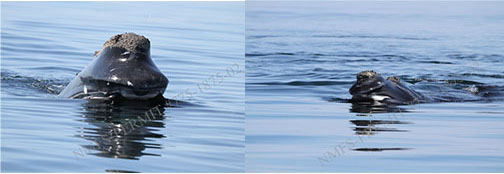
122 68
371 86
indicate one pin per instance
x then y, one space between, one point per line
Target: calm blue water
302 57
44 44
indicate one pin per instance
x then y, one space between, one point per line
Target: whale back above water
123 67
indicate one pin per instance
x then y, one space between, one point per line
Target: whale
372 87
123 68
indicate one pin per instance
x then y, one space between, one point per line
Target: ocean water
302 57
43 46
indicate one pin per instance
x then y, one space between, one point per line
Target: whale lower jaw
125 93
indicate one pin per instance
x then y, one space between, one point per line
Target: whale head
124 67
367 82
371 86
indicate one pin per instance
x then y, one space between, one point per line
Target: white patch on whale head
114 78
129 83
379 97
85 89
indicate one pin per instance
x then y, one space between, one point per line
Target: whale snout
367 81
147 88
143 79
142 82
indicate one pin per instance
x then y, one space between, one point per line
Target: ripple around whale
25 84
303 83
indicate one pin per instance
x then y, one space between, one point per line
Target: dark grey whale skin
392 87
118 71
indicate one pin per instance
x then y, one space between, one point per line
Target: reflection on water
367 107
378 149
121 130
372 126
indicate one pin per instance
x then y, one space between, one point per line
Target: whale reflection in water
121 130
373 119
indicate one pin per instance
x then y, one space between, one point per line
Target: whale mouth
141 94
100 89
134 93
